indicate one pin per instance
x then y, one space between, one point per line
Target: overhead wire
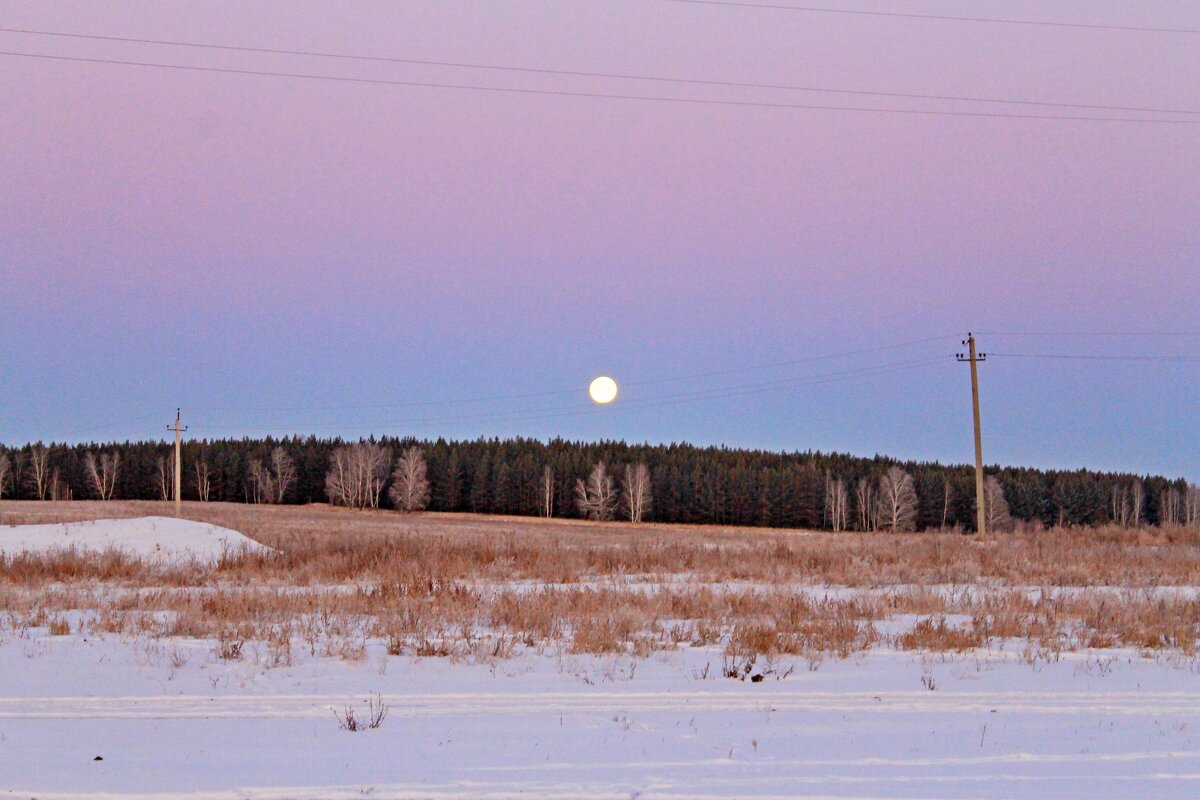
670 399
1097 334
939 17
572 410
1096 357
634 404
626 384
604 95
595 74
55 447
643 403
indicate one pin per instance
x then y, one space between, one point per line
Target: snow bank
158 538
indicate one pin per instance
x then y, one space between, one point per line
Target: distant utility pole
178 466
974 358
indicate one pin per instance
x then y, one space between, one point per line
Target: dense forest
685 483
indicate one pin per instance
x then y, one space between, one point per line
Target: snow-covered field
170 719
100 697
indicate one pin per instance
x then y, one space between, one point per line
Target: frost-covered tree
995 507
636 491
1191 506
597 496
6 472
203 477
356 474
283 473
102 472
897 501
262 484
1170 507
39 470
164 477
410 483
837 503
868 509
1137 498
546 492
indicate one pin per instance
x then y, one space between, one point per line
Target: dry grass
473 587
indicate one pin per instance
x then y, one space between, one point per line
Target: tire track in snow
514 703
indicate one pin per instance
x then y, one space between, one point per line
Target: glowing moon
603 390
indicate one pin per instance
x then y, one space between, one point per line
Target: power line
627 405
54 448
634 403
940 17
575 391
794 362
104 426
603 75
1072 356
604 95
1091 333
673 399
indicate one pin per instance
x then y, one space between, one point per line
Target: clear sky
280 255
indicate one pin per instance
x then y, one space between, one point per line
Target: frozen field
172 720
521 658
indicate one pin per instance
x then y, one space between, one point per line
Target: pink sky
200 239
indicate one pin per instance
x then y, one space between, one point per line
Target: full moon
603 390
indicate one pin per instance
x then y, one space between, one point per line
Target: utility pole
178 465
975 358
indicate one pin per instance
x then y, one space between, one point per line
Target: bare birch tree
897 501
110 466
262 483
57 487
1137 498
636 491
102 472
91 467
947 496
410 483
596 497
357 473
1119 506
1170 507
284 472
546 494
1126 504
164 477
39 470
6 472
341 484
1191 506
864 495
203 477
837 503
269 483
995 506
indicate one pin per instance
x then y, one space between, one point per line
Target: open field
568 658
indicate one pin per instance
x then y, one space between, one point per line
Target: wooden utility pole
178 465
975 358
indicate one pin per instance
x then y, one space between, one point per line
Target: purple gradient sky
241 243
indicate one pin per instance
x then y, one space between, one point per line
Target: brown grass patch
465 586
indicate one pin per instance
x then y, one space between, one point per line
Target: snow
93 716
157 538
172 720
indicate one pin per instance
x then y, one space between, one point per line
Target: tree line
600 480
